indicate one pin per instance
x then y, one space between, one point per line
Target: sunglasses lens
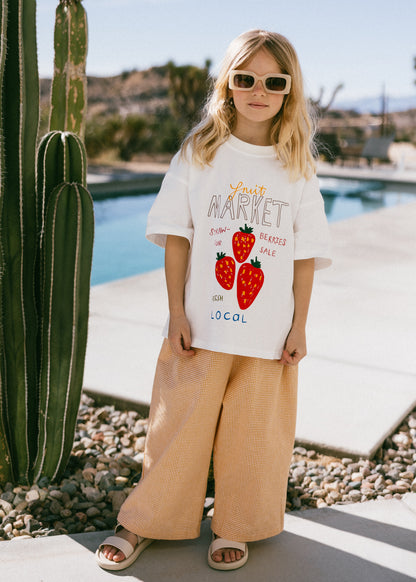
243 81
276 84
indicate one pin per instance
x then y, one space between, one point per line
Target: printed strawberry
243 242
250 280
225 270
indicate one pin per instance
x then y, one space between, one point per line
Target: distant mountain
144 92
373 104
131 92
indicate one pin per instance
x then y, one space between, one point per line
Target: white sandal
131 553
222 544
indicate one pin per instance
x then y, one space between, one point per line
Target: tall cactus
69 90
66 262
20 114
5 457
45 263
67 226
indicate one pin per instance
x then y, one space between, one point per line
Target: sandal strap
222 543
119 543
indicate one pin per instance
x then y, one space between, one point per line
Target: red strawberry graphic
243 242
225 270
250 280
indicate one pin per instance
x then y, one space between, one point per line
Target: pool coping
101 182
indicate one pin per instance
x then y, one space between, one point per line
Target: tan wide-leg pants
245 409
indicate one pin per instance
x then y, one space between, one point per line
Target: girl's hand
295 347
179 336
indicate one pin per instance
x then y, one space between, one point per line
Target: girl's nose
259 87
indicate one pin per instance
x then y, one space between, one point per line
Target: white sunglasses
276 83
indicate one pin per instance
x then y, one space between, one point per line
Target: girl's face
255 109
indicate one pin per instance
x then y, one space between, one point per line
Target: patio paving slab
372 541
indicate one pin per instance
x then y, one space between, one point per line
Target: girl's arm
176 262
295 347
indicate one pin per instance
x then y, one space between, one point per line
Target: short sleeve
171 213
312 239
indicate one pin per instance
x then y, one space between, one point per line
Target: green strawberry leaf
246 229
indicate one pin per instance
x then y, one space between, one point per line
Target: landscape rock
106 464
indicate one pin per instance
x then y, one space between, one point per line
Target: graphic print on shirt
251 205
225 271
243 243
250 280
250 276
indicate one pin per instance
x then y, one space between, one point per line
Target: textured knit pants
242 408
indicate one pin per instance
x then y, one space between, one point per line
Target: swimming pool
121 249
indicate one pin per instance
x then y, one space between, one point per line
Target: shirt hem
197 343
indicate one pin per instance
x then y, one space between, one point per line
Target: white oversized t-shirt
246 224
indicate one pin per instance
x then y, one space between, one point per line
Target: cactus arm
5 458
77 95
20 114
66 256
76 159
59 88
69 86
61 158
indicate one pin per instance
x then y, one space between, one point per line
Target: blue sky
361 43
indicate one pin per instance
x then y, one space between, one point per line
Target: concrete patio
372 542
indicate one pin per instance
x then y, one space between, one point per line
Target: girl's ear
229 98
229 103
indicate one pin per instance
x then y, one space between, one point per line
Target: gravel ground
106 464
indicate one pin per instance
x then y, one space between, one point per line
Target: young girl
243 225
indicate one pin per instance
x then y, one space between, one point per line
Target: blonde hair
292 128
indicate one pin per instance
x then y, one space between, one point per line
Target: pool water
348 198
121 249
120 246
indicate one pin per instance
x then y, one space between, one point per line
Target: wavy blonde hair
292 129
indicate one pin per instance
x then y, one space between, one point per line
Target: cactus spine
69 90
46 236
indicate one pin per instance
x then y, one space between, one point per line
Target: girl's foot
120 550
226 555
114 554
